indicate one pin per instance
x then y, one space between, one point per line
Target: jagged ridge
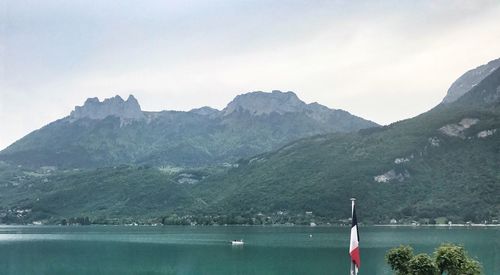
115 132
115 106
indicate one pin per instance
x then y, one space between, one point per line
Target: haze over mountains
441 165
114 132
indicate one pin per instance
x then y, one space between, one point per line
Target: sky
381 60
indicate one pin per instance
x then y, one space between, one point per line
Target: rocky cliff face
259 103
206 111
283 103
116 106
251 124
469 80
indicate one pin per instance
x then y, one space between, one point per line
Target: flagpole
353 267
352 207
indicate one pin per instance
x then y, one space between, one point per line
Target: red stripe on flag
355 256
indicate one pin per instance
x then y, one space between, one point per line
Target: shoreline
244 225
438 225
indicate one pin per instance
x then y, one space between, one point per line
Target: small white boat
237 242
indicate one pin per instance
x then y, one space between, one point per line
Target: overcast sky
382 60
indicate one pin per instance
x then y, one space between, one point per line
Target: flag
354 246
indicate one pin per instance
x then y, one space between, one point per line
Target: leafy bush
422 264
448 259
454 260
399 258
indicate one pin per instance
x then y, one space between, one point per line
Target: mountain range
443 164
439 166
117 131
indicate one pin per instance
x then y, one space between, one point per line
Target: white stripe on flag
354 238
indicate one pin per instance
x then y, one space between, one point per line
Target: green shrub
449 259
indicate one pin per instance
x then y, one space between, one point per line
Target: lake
206 250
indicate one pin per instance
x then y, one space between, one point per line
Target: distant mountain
470 79
443 164
114 132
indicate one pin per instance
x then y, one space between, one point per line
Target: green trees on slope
448 259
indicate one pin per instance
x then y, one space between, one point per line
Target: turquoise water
206 250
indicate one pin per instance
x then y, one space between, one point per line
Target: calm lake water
206 250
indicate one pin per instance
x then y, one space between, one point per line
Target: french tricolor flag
354 246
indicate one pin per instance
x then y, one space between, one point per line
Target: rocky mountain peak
115 106
132 100
470 79
258 103
205 111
